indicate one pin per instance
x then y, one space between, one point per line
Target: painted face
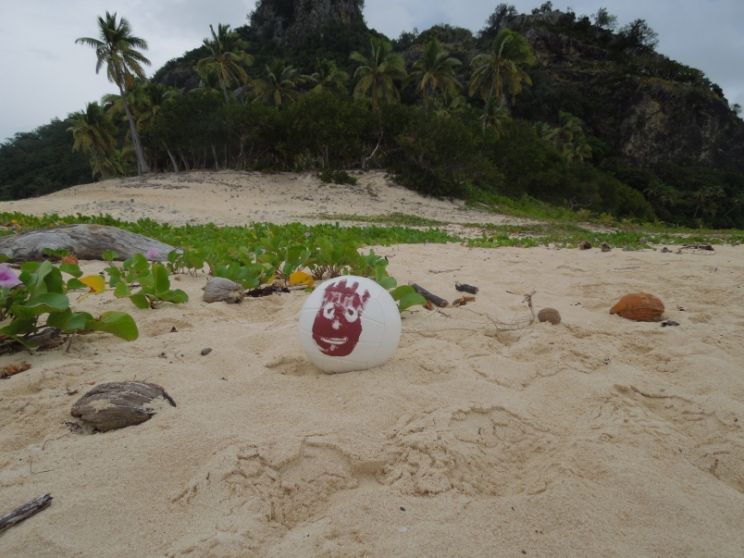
338 323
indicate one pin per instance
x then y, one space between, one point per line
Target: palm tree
226 58
93 134
281 84
117 48
434 73
499 74
377 78
328 77
377 74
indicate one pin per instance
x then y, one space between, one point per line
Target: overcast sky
46 75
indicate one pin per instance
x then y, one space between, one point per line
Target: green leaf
109 255
74 284
41 304
71 269
121 290
140 300
160 276
54 282
114 275
176 296
410 299
401 291
19 326
70 322
387 282
120 324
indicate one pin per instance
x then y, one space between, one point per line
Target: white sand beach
483 436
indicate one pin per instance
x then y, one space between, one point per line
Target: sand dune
484 436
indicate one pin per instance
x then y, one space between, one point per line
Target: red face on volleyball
338 323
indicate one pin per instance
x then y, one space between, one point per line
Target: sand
595 437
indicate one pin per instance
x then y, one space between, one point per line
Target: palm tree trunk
142 166
172 158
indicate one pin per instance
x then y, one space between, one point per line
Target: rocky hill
650 110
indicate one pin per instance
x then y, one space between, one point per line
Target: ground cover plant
39 298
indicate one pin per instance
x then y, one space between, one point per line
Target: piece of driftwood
87 242
47 338
220 289
24 512
431 297
268 290
118 404
465 288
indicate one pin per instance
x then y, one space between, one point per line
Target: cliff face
292 22
645 107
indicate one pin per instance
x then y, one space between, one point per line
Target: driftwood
431 297
220 289
87 242
47 338
268 290
465 288
24 512
118 404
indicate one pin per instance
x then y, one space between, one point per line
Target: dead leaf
14 368
297 278
95 283
463 300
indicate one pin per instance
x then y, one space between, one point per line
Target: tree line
444 125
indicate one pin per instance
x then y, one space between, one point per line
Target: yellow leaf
301 278
95 283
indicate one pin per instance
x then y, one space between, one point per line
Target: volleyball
349 323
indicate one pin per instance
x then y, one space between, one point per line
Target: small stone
669 323
666 250
205 351
550 315
585 245
605 247
174 330
118 404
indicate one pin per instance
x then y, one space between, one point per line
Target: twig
431 297
24 512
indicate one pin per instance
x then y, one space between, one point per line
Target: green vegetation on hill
545 106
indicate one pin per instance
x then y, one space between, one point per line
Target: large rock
87 242
119 404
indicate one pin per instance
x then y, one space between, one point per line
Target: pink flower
152 254
8 277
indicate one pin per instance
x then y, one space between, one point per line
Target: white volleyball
349 323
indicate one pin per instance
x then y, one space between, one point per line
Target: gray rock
87 242
118 404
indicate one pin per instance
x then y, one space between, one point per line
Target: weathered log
431 297
220 289
87 242
118 404
24 512
47 338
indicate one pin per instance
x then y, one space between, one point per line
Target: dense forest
564 108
